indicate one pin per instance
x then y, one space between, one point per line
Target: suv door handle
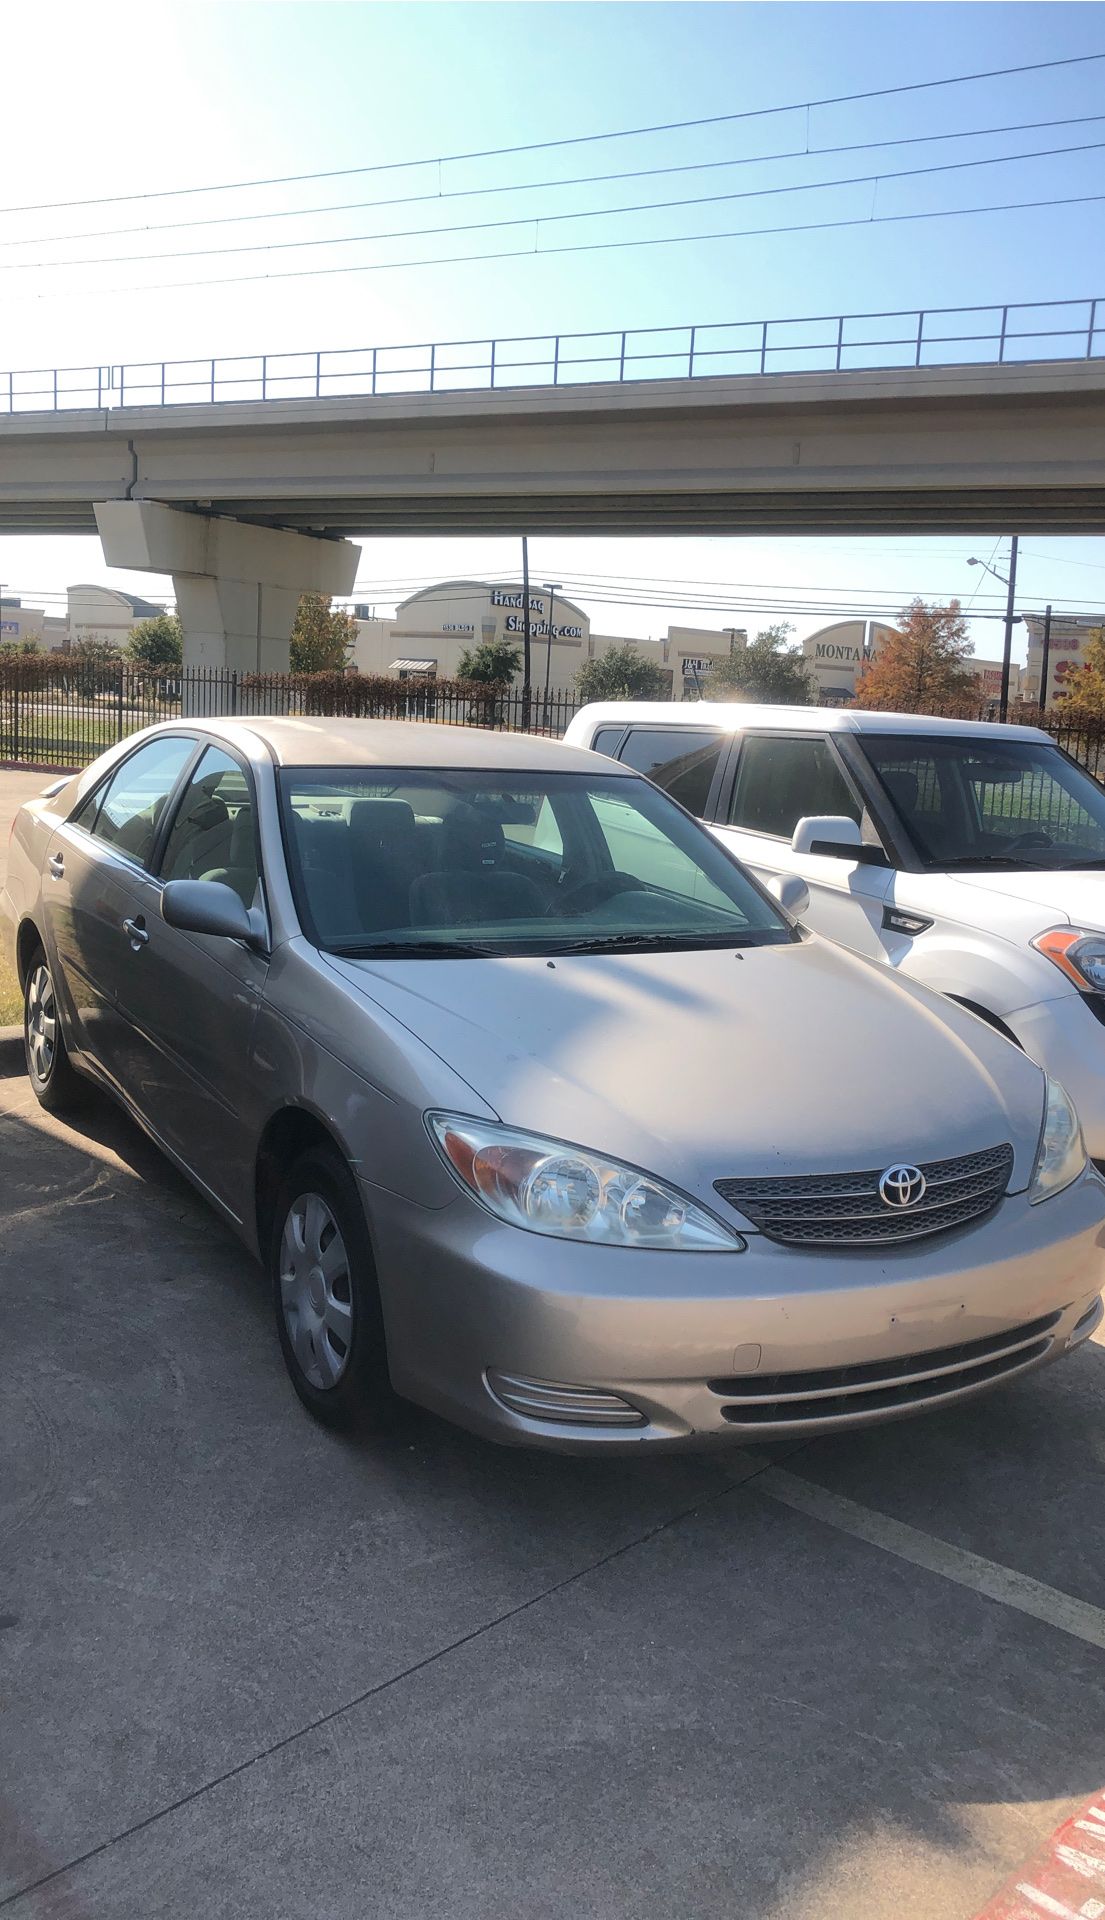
56 865
135 931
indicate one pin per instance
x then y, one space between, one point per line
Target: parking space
250 1669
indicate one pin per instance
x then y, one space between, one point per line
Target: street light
552 588
1007 650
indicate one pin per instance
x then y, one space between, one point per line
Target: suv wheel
54 1082
325 1295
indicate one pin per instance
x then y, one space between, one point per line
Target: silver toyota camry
538 1109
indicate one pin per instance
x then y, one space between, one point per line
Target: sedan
537 1108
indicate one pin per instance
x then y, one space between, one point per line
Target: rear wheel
54 1082
325 1295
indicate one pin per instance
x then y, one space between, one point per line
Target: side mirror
792 893
832 833
208 906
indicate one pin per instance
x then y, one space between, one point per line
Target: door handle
56 865
135 931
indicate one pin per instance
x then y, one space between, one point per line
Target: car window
972 801
135 796
781 780
212 836
679 759
465 862
606 740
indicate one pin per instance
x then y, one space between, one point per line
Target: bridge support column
237 586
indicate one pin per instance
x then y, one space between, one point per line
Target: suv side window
135 797
212 836
679 759
781 780
606 739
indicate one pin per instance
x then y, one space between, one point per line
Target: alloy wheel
316 1291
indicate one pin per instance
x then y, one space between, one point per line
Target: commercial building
1070 634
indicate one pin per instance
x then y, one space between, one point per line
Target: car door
87 894
773 781
189 1001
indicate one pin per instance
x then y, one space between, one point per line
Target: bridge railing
817 343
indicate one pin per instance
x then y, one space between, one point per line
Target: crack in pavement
746 1471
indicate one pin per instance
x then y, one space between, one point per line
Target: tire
54 1081
325 1296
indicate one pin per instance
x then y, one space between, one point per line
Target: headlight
1061 1154
550 1187
1076 952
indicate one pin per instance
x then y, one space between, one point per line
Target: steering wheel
586 894
1034 837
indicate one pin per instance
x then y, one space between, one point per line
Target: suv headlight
551 1187
1077 952
1061 1154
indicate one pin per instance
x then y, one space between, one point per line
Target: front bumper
465 1297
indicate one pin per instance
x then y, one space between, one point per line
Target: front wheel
54 1081
325 1295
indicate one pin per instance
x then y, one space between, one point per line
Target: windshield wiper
656 942
1006 860
413 950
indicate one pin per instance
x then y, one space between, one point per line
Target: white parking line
967 1569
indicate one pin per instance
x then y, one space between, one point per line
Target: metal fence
67 717
811 343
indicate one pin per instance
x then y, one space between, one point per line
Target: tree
322 637
17 649
766 669
493 663
1083 694
157 642
924 667
622 674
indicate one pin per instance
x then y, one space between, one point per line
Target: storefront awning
413 666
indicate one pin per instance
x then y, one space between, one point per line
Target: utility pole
552 587
1007 651
1044 661
526 661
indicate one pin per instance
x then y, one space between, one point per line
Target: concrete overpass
984 449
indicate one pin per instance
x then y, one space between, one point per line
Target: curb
36 766
1057 1879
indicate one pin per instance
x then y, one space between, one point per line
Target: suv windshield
448 863
975 802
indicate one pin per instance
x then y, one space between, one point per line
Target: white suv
967 856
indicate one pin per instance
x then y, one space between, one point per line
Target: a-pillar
237 586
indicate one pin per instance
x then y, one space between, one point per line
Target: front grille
880 1386
846 1210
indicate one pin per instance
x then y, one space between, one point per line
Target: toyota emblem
901 1186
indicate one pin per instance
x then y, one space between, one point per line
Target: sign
514 623
693 667
458 626
9 626
505 597
838 650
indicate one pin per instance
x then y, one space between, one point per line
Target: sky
116 103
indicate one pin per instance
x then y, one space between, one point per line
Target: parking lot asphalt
248 1669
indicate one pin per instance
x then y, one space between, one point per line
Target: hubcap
42 1023
315 1290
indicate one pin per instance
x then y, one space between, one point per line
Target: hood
1072 897
705 1065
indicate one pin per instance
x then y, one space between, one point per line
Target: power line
572 140
550 219
594 246
579 180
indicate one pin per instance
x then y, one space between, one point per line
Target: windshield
449 863
972 802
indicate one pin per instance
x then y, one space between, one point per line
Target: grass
11 1000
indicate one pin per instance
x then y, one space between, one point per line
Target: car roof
734 715
310 742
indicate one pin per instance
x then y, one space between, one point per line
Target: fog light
548 1400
